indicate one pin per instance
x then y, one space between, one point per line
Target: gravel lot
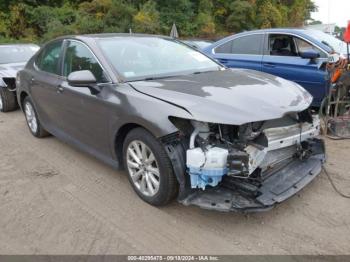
55 199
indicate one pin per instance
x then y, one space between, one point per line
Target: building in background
327 28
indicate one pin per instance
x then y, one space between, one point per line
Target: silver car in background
12 59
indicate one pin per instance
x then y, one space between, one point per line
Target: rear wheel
8 100
149 168
32 119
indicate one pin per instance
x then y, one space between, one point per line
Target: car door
44 82
282 58
241 52
84 114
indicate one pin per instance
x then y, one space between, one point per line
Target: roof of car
302 32
284 29
89 38
111 35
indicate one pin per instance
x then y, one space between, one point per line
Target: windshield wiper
155 78
150 78
169 76
203 72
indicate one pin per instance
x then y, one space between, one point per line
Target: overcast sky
333 11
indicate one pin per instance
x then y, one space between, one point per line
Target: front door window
78 57
48 59
288 45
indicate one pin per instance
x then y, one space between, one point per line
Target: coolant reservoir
206 168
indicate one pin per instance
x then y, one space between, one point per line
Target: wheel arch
119 138
21 98
121 129
176 153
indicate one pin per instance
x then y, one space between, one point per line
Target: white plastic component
256 157
201 129
213 158
206 168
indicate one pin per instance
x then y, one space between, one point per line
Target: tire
167 183
8 101
32 119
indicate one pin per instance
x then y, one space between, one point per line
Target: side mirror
82 78
310 54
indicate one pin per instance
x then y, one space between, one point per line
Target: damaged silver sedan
181 124
13 57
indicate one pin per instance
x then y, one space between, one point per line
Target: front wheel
149 168
7 100
32 119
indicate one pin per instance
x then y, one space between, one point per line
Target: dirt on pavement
55 199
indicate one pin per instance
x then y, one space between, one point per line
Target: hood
10 70
231 96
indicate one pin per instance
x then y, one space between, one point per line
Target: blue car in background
299 55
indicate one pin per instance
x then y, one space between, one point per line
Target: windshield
336 44
17 53
138 58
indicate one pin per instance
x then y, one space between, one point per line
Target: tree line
41 20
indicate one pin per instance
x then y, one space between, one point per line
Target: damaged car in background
12 59
179 123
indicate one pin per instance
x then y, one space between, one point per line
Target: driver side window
305 46
287 45
78 57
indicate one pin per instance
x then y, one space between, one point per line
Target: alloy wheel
143 168
31 117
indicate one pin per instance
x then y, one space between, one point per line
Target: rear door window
248 45
225 48
245 45
282 45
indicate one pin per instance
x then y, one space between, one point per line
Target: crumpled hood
231 96
10 70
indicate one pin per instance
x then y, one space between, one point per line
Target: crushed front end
251 167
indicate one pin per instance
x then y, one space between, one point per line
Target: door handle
271 65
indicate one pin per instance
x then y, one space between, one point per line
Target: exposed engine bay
247 152
226 161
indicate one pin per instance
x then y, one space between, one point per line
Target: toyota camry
181 124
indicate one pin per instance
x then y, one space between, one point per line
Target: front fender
133 107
